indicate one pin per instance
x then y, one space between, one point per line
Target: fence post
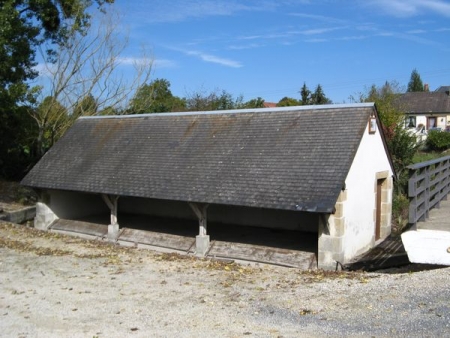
426 193
412 194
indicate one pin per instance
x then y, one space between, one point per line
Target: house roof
270 104
425 102
292 158
443 89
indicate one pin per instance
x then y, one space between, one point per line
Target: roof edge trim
238 111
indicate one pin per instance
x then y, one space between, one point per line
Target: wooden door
378 209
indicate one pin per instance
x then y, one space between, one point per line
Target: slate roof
425 102
443 89
291 158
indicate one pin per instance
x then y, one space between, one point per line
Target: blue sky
269 48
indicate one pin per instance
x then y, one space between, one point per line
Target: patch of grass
314 276
25 246
173 257
422 156
400 212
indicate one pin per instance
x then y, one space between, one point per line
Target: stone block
201 245
339 209
331 244
328 260
390 183
44 216
338 228
342 196
385 231
113 232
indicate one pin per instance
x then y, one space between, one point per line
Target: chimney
426 88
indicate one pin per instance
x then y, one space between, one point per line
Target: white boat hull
427 246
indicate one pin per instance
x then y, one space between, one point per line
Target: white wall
421 120
359 208
441 120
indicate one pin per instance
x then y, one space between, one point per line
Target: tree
25 25
401 145
51 118
385 98
85 77
17 135
318 97
254 103
415 83
155 97
86 106
215 100
288 101
305 94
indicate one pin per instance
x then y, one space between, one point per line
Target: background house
318 175
426 110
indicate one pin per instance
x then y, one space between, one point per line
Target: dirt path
57 286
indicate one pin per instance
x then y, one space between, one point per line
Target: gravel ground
58 286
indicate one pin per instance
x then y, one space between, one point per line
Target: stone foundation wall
331 237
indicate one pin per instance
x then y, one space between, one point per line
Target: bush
400 213
438 140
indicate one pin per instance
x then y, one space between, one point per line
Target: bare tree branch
88 65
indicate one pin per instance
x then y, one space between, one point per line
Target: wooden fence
429 183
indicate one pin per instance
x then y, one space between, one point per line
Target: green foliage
438 140
215 100
385 98
318 97
155 97
254 103
24 26
401 145
400 212
86 106
17 151
313 98
288 102
52 119
421 156
415 83
305 94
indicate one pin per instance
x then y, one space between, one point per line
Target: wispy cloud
142 61
318 31
176 11
248 46
286 35
321 18
316 40
408 8
352 37
267 36
214 59
163 63
416 31
134 61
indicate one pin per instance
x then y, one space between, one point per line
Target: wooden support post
113 228
200 212
202 240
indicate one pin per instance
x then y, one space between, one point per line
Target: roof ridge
238 111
